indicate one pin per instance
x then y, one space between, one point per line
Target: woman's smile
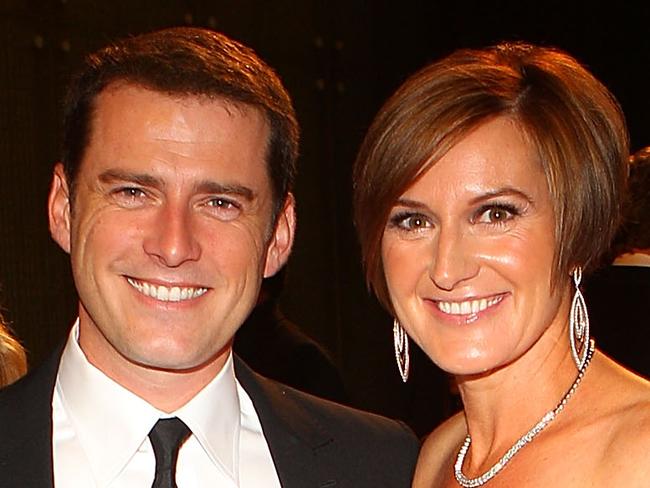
467 307
471 242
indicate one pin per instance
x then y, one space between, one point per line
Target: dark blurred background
340 60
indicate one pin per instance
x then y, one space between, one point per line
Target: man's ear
281 241
58 208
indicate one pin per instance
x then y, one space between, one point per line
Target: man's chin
179 362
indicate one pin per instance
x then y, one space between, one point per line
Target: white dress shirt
101 429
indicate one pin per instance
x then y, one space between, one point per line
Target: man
174 201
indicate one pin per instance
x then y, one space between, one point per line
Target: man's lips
467 307
166 293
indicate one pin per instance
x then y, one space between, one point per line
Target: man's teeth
469 306
165 293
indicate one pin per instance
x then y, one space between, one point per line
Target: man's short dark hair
186 62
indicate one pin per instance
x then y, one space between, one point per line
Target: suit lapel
294 436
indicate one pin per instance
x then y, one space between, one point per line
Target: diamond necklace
523 440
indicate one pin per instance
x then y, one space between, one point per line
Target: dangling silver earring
579 323
401 341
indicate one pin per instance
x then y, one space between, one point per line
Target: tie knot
169 433
167 436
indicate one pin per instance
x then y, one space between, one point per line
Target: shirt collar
214 417
98 408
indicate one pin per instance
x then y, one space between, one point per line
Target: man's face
170 231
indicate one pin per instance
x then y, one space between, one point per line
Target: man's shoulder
329 441
298 411
348 419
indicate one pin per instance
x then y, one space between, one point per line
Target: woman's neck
503 404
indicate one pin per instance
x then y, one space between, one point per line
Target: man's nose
453 260
172 240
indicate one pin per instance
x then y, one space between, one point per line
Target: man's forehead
129 111
134 121
125 89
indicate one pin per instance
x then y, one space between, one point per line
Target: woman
486 186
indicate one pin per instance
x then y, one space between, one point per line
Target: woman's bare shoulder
624 393
625 458
626 420
439 450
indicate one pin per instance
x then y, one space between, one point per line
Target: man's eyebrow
143 179
208 186
205 186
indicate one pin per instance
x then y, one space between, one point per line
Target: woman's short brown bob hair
572 120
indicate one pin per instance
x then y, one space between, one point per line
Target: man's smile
166 293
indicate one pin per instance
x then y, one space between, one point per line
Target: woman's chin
473 363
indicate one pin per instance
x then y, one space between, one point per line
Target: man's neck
166 390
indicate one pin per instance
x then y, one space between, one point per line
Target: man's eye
223 208
132 192
128 195
221 203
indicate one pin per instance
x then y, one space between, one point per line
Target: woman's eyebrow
407 202
501 192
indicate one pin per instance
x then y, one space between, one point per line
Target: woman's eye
410 222
415 222
496 214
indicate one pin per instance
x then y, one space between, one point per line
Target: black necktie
167 437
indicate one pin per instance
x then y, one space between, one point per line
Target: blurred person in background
13 361
619 294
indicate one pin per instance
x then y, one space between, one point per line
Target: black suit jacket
277 348
313 442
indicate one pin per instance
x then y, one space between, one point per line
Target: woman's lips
468 307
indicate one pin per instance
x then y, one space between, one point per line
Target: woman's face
468 253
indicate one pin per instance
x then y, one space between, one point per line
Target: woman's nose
453 261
